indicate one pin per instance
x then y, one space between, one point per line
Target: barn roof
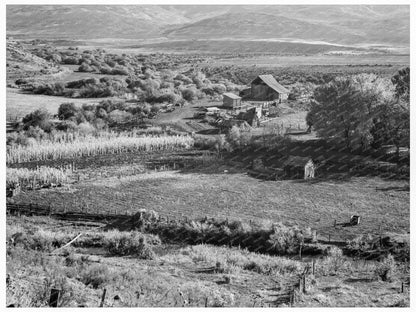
297 161
272 83
231 95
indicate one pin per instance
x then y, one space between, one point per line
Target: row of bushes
115 242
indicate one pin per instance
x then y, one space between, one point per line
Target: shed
213 110
297 167
266 88
231 100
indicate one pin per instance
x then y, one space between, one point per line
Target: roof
296 161
212 109
231 95
272 83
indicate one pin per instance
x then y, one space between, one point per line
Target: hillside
346 25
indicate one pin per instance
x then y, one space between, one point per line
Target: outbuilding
231 100
297 167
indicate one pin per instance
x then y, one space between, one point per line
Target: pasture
20 104
383 205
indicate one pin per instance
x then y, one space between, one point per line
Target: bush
85 68
95 275
387 269
39 118
67 110
119 116
334 262
189 94
133 243
287 240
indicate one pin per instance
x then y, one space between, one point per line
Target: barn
296 167
266 88
231 100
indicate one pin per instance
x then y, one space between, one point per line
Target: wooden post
54 298
103 298
300 252
335 222
304 283
402 287
329 238
313 267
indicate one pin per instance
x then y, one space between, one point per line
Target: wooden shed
231 100
266 88
297 167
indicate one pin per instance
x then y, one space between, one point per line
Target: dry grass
380 203
20 104
176 278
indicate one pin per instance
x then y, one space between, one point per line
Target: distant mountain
336 24
333 24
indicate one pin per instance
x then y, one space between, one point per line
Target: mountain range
356 25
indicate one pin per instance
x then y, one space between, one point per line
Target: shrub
67 110
95 275
39 118
86 128
387 269
85 68
189 94
119 116
334 262
287 240
133 243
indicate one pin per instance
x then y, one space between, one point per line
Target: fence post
103 298
402 287
54 298
300 252
313 267
304 283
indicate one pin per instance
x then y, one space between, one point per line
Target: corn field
94 145
41 175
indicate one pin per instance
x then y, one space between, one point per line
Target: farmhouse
266 88
296 167
231 100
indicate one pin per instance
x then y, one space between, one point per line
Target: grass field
20 104
321 60
382 204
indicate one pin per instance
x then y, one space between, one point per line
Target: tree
67 110
401 81
344 108
39 118
392 125
339 110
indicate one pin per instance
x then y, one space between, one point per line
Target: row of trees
363 110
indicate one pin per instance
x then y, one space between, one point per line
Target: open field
20 104
320 60
382 204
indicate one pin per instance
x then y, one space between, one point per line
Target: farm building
213 111
231 100
250 116
296 167
266 88
245 93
